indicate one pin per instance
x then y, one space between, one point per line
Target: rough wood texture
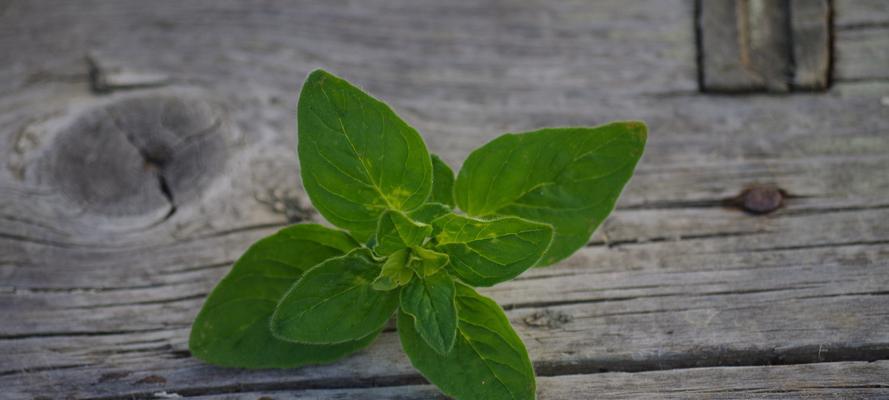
760 45
819 381
861 37
744 45
98 288
810 28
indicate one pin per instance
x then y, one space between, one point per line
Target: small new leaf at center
396 231
427 262
395 271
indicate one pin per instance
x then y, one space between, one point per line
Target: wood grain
860 37
819 381
755 45
744 45
810 27
679 285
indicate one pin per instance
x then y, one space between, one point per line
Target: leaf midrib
435 314
323 301
556 177
366 170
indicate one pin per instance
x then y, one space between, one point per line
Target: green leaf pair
310 294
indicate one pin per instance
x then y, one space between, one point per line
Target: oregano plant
413 241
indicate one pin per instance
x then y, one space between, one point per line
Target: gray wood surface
861 37
810 28
763 45
744 45
849 380
145 145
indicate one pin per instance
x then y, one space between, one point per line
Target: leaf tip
317 77
317 73
638 129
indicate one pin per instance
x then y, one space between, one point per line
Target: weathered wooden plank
95 275
752 45
860 13
810 27
519 42
817 381
862 54
860 37
660 304
744 45
818 129
675 279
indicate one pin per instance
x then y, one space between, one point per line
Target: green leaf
442 183
430 301
334 302
484 253
396 272
232 328
357 158
428 212
396 231
427 262
569 178
488 360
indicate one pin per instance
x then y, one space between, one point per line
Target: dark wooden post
763 45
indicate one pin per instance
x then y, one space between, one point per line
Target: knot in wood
134 160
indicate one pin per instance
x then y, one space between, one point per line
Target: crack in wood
867 25
553 303
721 357
808 211
819 246
309 384
196 296
674 238
855 294
49 334
43 369
705 358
